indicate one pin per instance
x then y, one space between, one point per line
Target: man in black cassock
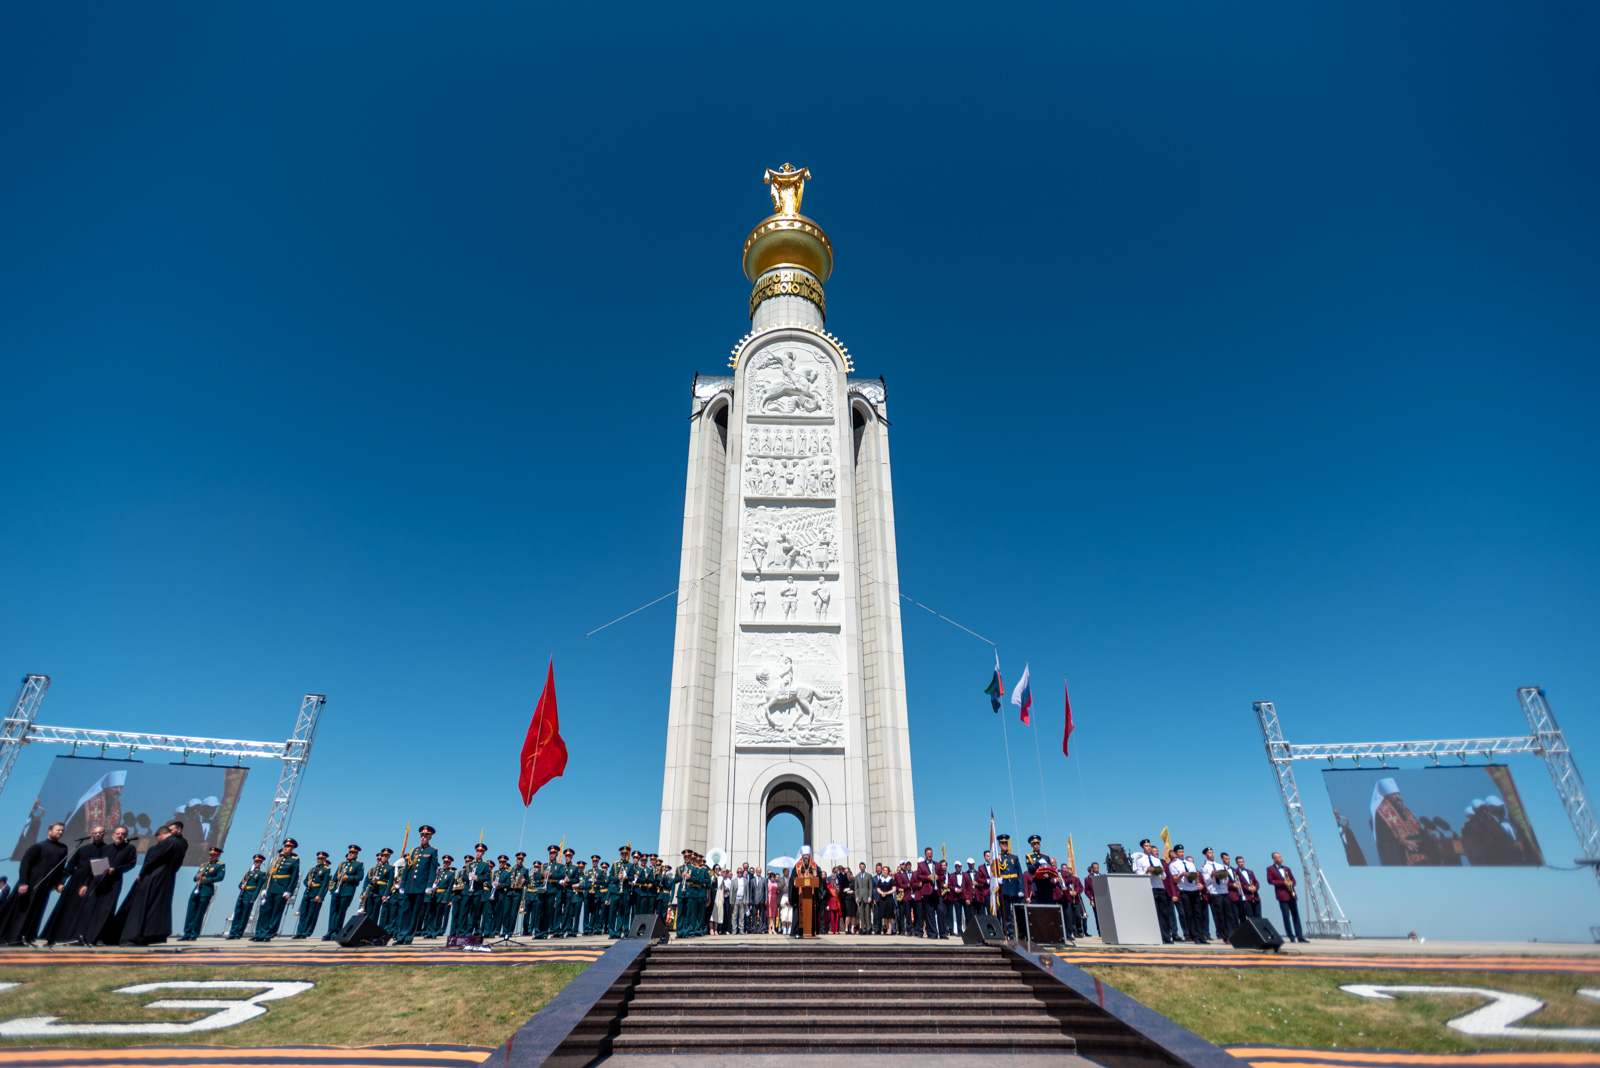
39 873
97 919
63 925
148 913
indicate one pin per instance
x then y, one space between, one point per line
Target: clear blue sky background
1234 352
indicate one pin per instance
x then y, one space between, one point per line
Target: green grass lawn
354 1005
1305 1007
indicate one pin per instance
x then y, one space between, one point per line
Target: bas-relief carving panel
789 379
789 690
780 538
787 599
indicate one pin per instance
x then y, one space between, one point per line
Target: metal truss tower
20 728
1324 918
19 724
1546 740
1552 745
296 752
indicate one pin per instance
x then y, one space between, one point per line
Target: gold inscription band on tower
788 283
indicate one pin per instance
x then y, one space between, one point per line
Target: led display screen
85 792
1431 817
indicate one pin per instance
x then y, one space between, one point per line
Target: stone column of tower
788 677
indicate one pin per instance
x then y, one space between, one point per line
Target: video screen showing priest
86 792
1431 817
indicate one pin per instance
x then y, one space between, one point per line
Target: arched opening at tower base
788 821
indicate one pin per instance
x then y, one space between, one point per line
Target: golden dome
788 241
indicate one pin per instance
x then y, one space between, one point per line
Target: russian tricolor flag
1022 696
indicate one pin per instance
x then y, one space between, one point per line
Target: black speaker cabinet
646 925
360 930
1256 933
1041 923
983 928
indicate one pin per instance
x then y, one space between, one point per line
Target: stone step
783 1041
818 972
788 988
1022 1002
807 1023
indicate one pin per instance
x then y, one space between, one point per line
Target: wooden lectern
806 884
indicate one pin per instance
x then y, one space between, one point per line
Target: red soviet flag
544 754
1067 734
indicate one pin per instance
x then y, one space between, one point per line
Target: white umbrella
781 862
834 851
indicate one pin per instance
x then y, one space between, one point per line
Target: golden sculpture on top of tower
788 187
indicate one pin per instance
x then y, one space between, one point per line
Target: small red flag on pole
544 754
1068 734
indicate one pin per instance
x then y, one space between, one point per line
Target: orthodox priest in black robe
40 872
63 925
147 916
97 921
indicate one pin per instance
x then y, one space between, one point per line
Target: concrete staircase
705 999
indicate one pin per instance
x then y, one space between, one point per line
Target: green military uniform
687 911
346 882
414 886
700 876
249 889
499 887
444 885
593 911
602 896
282 878
569 896
530 899
205 886
548 897
512 895
318 879
469 914
380 884
622 875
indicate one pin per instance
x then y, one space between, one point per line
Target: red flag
1068 734
544 754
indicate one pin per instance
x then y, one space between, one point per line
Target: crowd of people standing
421 894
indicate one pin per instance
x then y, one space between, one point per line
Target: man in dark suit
1281 879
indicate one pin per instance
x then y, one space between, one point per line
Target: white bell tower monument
788 678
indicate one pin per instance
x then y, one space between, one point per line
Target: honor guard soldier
415 886
346 881
530 899
602 897
594 908
493 909
282 878
546 896
458 899
580 897
644 893
513 903
380 880
318 880
686 891
205 886
478 873
1008 871
444 885
249 889
621 891
569 894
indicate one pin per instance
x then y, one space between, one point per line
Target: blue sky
1234 353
